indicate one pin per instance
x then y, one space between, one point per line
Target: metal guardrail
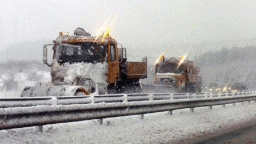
42 115
110 98
24 102
68 109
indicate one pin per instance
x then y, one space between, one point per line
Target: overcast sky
139 22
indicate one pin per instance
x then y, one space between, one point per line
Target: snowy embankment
154 128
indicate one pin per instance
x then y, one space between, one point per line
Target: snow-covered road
154 128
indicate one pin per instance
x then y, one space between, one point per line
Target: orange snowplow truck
179 74
82 64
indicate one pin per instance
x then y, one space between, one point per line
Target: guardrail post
54 101
100 121
187 95
194 95
192 109
223 105
170 112
150 97
125 98
211 95
210 107
206 95
171 97
219 94
233 94
39 128
227 94
242 92
92 99
142 116
97 89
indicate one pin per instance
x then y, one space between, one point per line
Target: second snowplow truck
82 64
181 75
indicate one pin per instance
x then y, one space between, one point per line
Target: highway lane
246 135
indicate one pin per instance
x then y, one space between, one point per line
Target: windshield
168 68
80 52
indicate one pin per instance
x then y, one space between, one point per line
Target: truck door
113 65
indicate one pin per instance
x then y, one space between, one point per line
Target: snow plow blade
52 90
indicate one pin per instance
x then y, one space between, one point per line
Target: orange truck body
136 70
184 77
85 64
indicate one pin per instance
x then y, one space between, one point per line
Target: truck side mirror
124 53
45 55
145 59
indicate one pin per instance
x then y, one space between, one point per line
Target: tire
88 84
189 88
111 89
81 92
137 88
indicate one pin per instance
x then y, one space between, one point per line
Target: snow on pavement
154 128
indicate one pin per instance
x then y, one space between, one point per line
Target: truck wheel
120 88
190 88
88 84
111 89
81 92
137 88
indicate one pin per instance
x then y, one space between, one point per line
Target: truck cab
92 62
180 75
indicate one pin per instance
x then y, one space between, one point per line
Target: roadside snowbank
154 128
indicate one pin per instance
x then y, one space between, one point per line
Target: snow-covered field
154 128
8 94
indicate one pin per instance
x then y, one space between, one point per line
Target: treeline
226 55
229 66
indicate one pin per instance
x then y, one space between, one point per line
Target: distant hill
23 51
228 66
